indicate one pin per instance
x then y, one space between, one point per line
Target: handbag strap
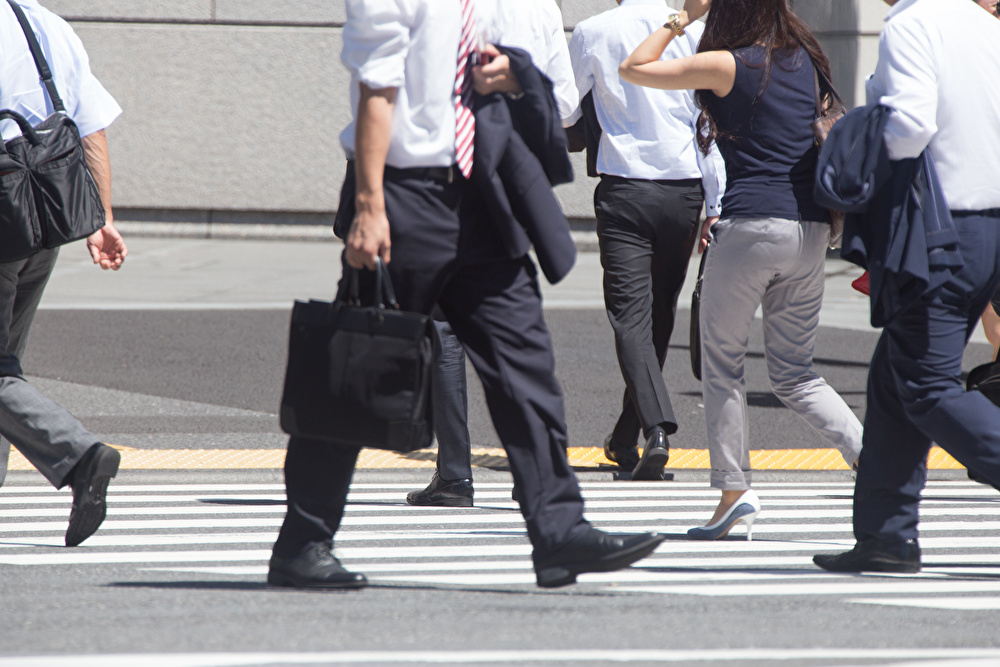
40 63
817 74
385 296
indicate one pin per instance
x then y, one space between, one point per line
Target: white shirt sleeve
559 68
905 80
376 41
713 179
584 76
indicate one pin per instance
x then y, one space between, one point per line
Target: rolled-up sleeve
376 41
905 80
713 179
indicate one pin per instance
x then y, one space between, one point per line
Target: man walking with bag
45 433
412 150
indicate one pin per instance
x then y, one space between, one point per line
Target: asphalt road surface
185 350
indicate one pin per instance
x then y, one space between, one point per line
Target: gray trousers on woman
46 434
778 265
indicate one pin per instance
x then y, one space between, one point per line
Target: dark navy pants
495 310
916 396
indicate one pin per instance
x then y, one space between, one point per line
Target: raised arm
713 70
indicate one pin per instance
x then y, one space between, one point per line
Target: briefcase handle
26 130
384 294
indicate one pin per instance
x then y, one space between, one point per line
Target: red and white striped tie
465 127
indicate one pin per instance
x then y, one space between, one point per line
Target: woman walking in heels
755 81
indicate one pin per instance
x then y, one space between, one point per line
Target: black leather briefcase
48 197
359 375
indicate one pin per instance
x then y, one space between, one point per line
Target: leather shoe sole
347 581
860 559
555 574
315 568
654 457
91 477
626 458
419 499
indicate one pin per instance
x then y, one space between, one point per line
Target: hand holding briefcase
359 375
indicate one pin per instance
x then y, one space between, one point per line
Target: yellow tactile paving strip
487 457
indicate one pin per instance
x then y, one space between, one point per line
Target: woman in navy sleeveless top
755 82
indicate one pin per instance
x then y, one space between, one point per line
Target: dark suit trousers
916 396
647 231
495 310
451 406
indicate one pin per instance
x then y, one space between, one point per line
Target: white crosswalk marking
226 531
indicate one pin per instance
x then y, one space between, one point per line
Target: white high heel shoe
745 509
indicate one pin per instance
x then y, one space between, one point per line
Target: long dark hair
734 24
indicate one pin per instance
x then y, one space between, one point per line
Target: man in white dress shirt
45 433
654 181
409 181
939 73
535 26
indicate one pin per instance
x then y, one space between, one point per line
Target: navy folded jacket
898 224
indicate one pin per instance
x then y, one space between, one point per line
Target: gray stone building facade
233 107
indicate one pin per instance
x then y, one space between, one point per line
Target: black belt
438 174
676 182
986 212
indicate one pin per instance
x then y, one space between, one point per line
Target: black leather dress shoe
655 455
593 551
874 556
443 493
89 479
316 567
626 458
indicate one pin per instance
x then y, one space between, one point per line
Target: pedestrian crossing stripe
227 531
581 457
927 657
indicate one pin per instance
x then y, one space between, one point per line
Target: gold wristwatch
674 23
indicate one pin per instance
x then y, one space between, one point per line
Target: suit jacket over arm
520 153
898 224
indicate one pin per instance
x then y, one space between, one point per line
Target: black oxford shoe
874 555
655 455
443 493
593 551
626 458
316 567
89 480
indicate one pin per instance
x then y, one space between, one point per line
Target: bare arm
105 245
369 234
713 70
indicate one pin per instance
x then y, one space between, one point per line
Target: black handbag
48 197
359 375
694 339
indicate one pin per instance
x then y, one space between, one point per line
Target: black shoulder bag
359 375
48 197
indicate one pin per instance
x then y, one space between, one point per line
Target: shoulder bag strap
817 75
40 63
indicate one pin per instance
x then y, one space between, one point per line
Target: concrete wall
233 107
